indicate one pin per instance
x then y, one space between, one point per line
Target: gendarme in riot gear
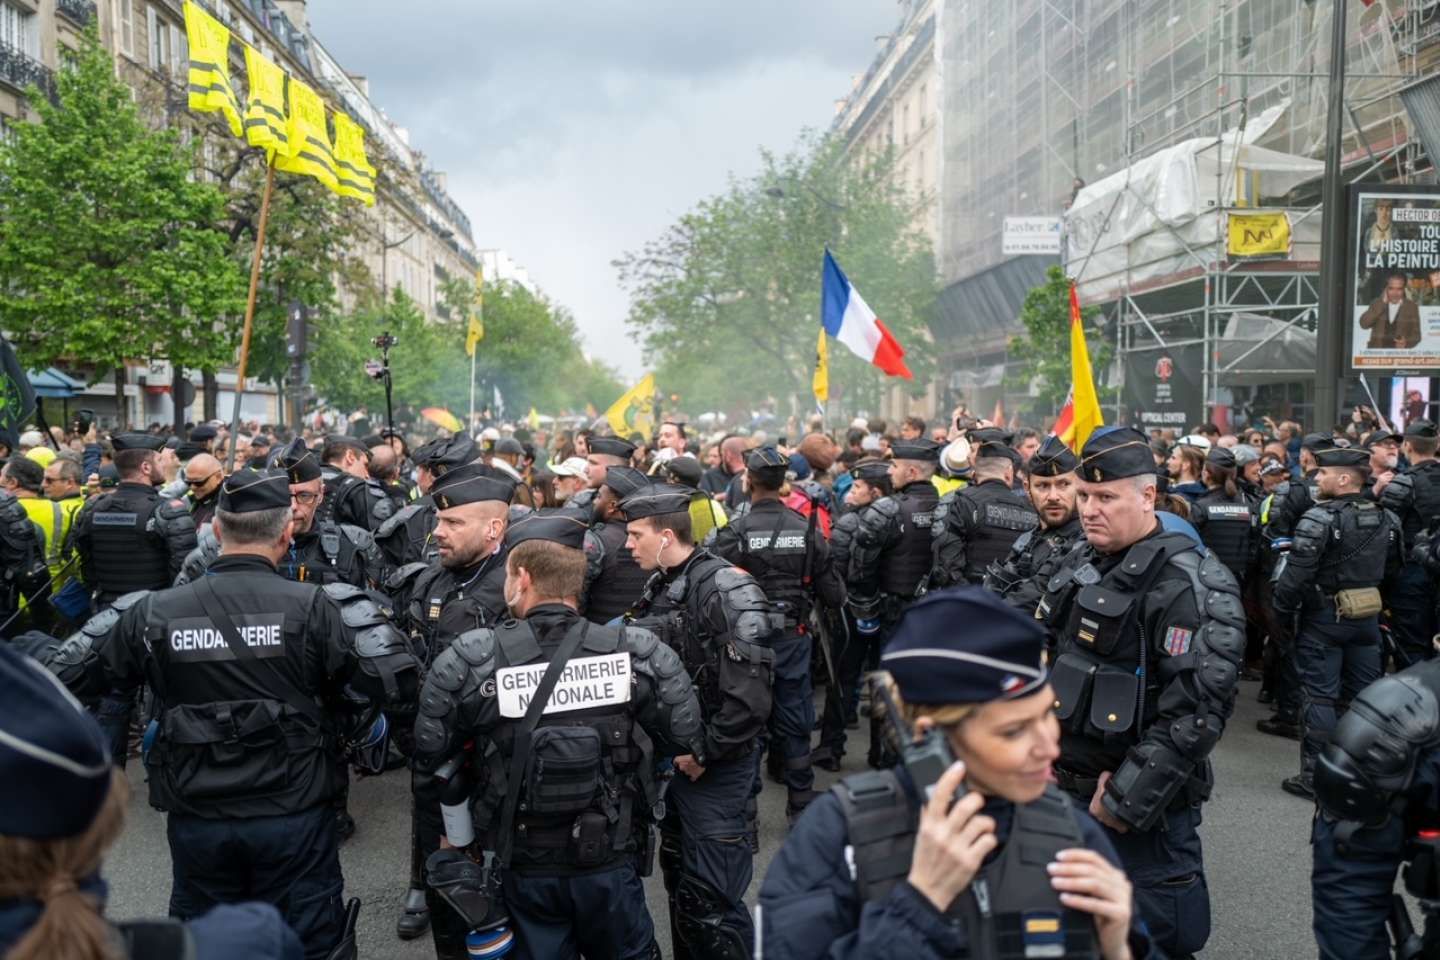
22 561
1414 497
351 495
1148 634
619 580
718 620
1035 555
568 793
262 686
408 536
1224 516
977 525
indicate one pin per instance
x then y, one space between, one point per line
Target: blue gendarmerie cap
990 435
999 655
53 758
1423 429
1053 459
1113 453
918 449
137 441
300 463
1380 435
1317 441
871 470
612 447
1343 457
247 490
995 450
1220 457
472 483
767 458
203 432
656 500
445 453
624 480
566 529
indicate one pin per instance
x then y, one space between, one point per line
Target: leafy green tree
109 248
1045 346
727 299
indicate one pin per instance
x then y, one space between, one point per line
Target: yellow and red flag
1081 413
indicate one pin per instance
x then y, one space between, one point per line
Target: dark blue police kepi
1343 457
624 480
53 758
137 441
300 463
965 645
655 500
1423 429
247 490
871 470
1053 459
445 453
1220 457
926 451
766 458
472 483
567 530
1113 453
995 450
612 447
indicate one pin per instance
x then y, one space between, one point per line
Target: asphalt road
1256 848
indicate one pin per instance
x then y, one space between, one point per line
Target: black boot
414 915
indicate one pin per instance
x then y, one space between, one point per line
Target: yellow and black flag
352 167
310 151
265 123
209 80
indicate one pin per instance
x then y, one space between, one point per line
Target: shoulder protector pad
126 601
362 538
342 592
1022 542
1398 493
169 510
398 519
380 640
640 641
475 646
886 507
404 576
739 590
357 608
1375 746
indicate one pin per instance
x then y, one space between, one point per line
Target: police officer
890 562
1224 517
21 559
321 551
131 539
874 868
1414 497
464 590
1344 547
1377 784
408 536
568 794
869 481
1148 635
619 580
1036 554
789 558
1294 497
351 495
260 684
717 618
605 452
976 525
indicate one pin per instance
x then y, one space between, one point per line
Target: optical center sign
1393 279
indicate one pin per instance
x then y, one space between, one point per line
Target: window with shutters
17 29
125 26
167 52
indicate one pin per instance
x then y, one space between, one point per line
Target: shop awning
52 383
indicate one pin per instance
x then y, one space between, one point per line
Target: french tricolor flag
849 319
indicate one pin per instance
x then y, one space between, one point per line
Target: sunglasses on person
205 479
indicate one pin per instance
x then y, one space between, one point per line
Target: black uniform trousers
1282 674
792 717
1167 868
600 915
1351 892
842 704
704 835
1410 598
1337 659
427 826
291 861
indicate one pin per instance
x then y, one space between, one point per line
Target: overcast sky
573 132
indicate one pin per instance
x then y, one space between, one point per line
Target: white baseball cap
569 467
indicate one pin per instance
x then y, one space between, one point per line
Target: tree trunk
177 399
122 409
212 394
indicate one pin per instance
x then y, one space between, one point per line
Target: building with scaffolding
1152 124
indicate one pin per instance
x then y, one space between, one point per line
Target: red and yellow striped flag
1081 413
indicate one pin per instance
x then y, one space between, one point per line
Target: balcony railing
80 11
19 71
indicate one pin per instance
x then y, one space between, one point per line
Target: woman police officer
874 870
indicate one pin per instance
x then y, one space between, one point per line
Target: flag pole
470 422
250 316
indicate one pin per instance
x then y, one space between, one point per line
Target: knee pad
699 921
670 859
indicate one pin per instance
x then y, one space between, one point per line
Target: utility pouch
563 770
1113 699
1100 617
223 750
645 857
1358 603
591 836
1071 678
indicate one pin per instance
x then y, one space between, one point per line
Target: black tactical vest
999 518
124 554
774 542
441 606
1010 910
620 581
1227 527
232 741
1356 547
587 776
324 555
905 566
1424 512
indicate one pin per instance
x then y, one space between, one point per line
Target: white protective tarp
1133 227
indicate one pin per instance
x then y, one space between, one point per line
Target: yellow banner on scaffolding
1256 235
